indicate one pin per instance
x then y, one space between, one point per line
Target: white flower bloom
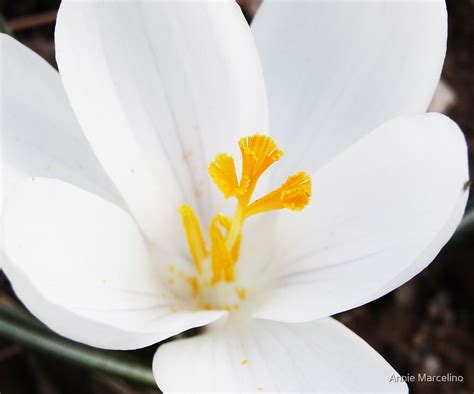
94 244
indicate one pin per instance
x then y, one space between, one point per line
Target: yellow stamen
259 152
223 259
197 246
294 194
226 223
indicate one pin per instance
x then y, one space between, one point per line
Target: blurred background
427 325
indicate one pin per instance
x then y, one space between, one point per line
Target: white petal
380 213
335 70
428 254
160 88
321 356
81 266
39 132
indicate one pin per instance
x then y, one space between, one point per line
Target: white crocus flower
105 243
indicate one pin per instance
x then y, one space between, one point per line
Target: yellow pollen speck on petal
187 155
259 388
194 283
241 293
171 281
171 269
244 362
197 246
173 309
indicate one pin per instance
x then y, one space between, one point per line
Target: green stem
3 26
15 315
17 327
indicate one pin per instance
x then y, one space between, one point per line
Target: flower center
216 265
